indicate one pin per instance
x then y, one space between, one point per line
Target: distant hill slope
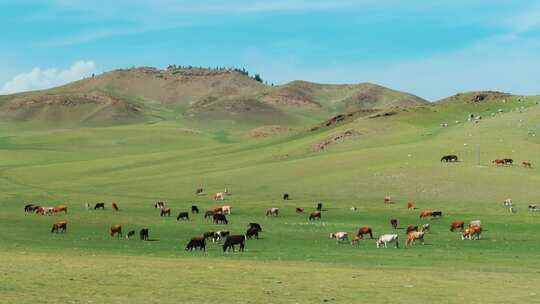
194 94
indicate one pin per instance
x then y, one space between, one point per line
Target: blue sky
430 48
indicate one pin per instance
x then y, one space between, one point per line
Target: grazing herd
218 215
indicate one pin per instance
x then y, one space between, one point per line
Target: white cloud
39 78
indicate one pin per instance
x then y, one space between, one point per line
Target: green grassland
294 261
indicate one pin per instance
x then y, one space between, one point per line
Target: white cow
340 236
385 239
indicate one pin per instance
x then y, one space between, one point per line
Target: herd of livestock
218 214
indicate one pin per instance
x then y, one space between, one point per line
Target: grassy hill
194 97
173 145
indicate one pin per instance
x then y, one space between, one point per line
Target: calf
339 236
457 225
165 212
115 229
365 230
394 223
315 215
197 242
194 209
59 226
130 234
183 216
99 206
233 240
220 218
415 236
386 239
252 232
143 234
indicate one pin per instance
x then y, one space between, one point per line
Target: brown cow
415 236
60 208
60 225
410 206
165 211
527 165
197 242
115 229
425 213
499 162
315 215
457 225
115 207
365 230
471 233
299 210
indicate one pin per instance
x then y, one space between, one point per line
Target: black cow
220 218
436 214
394 223
252 232
197 242
143 234
256 226
183 216
233 240
508 161
319 206
286 196
449 158
194 209
29 208
99 206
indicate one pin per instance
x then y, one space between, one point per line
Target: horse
165 211
115 229
449 158
60 225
